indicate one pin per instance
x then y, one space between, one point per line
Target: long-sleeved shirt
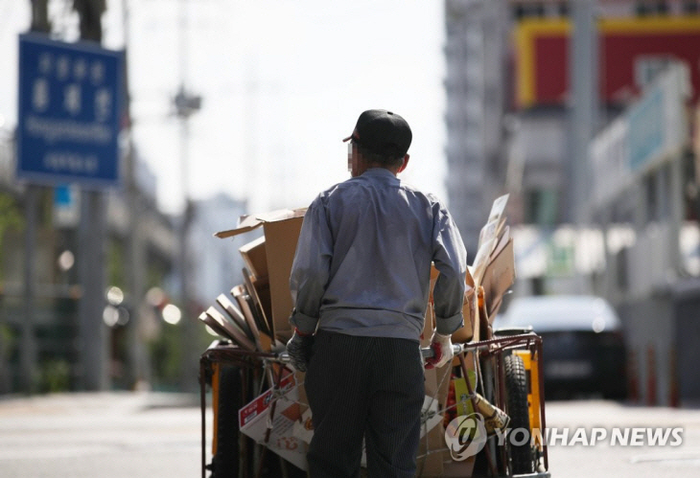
362 263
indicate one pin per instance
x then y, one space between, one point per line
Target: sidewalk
110 434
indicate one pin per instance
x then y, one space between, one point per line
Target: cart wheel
521 456
225 461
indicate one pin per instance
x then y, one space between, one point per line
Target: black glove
299 349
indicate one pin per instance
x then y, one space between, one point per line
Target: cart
507 370
260 415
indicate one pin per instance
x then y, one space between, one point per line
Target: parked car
583 344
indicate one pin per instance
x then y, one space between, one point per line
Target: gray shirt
362 263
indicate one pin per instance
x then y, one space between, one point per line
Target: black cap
382 132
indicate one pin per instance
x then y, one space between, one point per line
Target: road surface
146 435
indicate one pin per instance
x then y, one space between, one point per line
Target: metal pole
93 333
92 239
187 331
186 105
40 17
204 365
583 74
28 351
139 364
583 78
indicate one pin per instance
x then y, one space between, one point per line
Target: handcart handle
426 352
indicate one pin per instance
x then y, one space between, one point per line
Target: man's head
382 137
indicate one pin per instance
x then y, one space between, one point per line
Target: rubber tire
521 456
225 462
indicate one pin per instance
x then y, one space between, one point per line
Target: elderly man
361 283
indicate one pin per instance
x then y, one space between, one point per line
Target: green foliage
116 261
166 356
10 215
10 218
54 376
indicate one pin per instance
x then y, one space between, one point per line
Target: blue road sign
69 110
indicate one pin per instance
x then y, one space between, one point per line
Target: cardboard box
255 258
498 277
430 459
253 420
281 231
466 333
255 322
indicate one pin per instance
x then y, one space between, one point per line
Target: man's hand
442 351
299 349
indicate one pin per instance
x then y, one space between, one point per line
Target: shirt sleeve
311 268
450 259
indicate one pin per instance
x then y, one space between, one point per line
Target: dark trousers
364 387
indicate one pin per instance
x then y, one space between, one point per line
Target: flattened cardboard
233 331
281 238
429 462
251 222
254 418
245 303
235 315
432 461
255 257
489 237
215 326
259 291
459 469
281 229
503 239
498 207
483 255
466 333
498 277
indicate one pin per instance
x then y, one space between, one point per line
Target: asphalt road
611 455
142 435
110 435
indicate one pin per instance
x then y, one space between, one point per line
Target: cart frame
493 349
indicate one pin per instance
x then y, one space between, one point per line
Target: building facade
579 227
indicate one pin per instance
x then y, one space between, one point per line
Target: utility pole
139 364
186 104
584 81
583 74
28 351
93 338
40 17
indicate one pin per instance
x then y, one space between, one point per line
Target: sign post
68 130
68 121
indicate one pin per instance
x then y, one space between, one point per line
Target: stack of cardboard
494 264
258 319
489 277
255 317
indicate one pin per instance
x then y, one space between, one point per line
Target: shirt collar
380 172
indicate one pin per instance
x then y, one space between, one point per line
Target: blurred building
218 262
140 251
476 51
592 137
